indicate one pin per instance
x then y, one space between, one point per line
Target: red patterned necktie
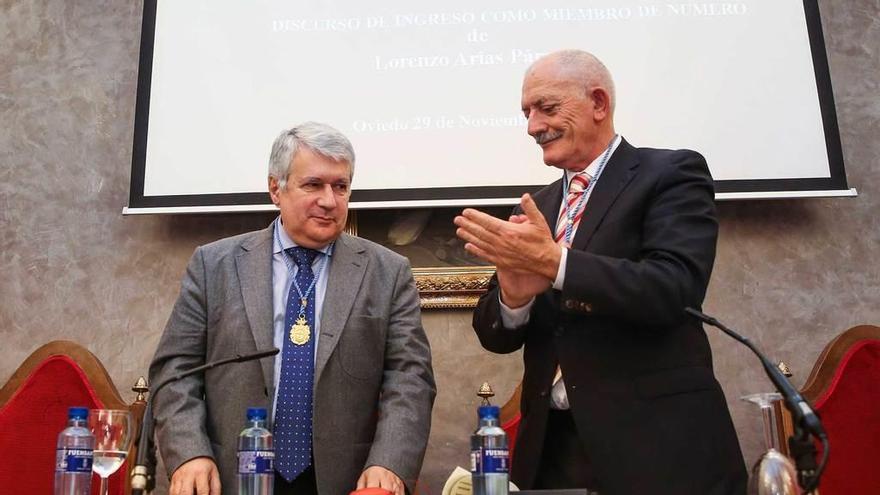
576 189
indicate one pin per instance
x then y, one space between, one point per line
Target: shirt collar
593 167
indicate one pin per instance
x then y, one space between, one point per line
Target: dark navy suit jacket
638 370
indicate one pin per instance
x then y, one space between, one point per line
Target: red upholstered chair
510 417
844 388
33 410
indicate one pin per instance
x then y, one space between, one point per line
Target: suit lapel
347 267
254 267
621 168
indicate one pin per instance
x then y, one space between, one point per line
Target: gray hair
582 68
319 138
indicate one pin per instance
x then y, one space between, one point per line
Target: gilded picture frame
446 276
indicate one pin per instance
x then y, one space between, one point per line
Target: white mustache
544 137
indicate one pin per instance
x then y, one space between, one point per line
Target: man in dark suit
593 274
351 393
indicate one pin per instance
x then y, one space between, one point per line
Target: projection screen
429 94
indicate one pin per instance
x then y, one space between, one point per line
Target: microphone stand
142 478
806 422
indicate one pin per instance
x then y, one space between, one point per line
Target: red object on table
372 491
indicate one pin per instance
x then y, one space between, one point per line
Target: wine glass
112 430
773 473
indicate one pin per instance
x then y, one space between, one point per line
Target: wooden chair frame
822 376
510 409
99 380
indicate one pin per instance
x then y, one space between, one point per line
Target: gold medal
300 331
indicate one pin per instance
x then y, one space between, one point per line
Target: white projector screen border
834 184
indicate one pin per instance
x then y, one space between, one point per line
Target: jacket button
543 393
569 304
588 307
495 325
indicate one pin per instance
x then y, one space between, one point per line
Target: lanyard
571 213
303 298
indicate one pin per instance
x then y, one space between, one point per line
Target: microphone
141 477
799 407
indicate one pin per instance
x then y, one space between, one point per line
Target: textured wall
790 274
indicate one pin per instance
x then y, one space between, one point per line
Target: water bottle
489 455
256 456
73 455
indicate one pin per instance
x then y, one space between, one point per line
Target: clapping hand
522 248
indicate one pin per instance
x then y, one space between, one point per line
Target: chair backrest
844 388
33 410
510 418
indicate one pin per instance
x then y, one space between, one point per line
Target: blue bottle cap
488 412
78 413
256 413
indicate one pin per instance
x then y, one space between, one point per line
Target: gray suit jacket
374 386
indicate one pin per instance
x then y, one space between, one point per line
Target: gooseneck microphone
141 477
796 404
806 421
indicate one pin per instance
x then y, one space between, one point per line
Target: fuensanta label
489 461
73 460
256 462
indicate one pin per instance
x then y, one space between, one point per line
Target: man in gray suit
303 286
